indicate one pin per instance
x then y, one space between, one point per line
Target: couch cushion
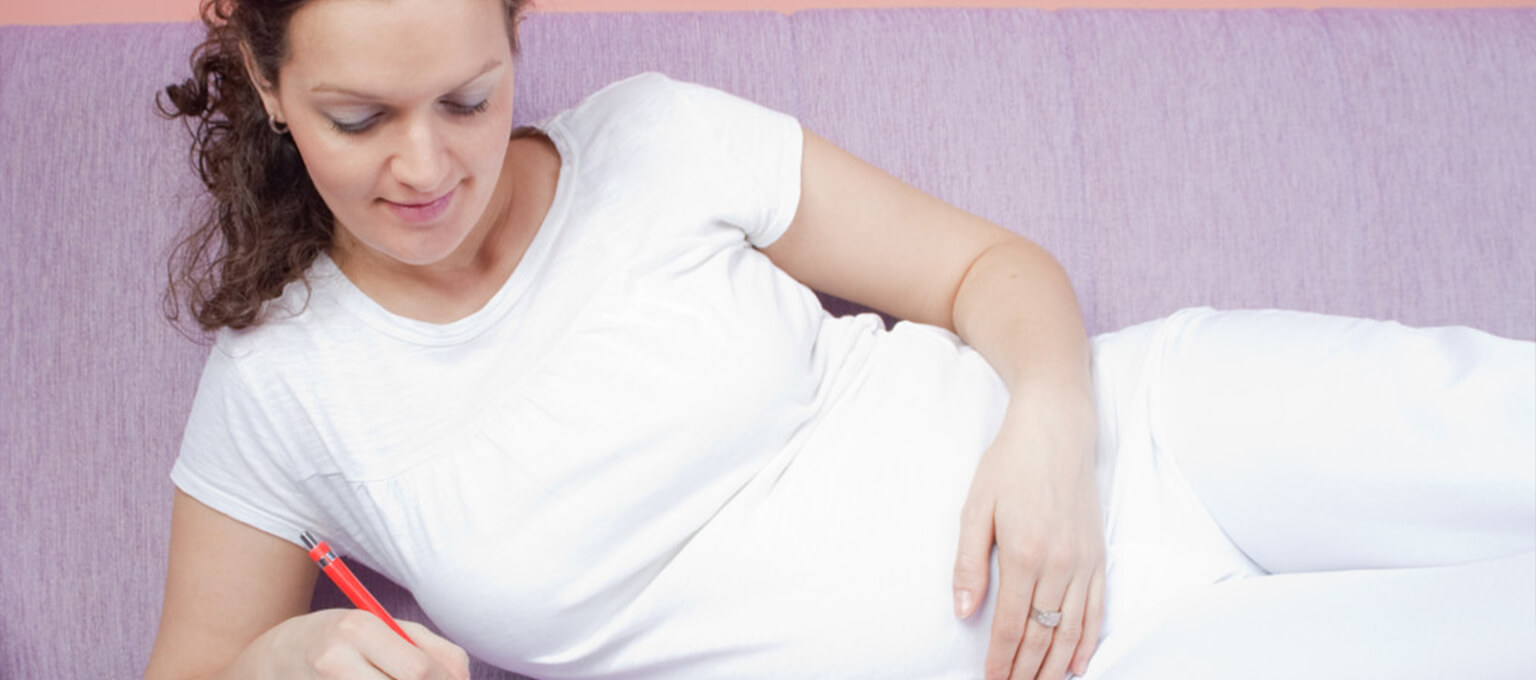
1379 163
96 386
1374 163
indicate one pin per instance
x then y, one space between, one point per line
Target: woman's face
402 111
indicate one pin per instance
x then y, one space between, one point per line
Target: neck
463 282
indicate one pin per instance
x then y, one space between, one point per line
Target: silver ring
1047 619
277 126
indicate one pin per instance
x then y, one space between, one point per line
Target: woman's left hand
1036 498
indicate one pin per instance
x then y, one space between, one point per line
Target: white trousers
1291 495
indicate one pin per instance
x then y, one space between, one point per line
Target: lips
418 213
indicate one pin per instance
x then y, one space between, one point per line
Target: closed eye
353 128
452 107
459 109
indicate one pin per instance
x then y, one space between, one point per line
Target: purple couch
1374 163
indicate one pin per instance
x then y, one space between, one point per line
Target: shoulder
292 324
256 380
637 101
640 91
657 105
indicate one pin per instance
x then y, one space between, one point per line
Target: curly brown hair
265 223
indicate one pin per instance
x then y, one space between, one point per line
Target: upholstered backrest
1376 163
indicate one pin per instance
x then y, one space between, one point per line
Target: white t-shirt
652 454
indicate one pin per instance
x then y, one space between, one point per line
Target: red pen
347 582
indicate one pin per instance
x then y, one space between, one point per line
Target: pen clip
318 550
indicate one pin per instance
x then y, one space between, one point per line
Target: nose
421 159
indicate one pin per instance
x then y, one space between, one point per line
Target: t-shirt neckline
354 300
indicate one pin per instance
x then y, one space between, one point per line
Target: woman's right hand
237 608
351 644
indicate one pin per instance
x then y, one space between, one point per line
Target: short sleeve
757 148
687 144
235 460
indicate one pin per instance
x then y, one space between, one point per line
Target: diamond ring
1047 619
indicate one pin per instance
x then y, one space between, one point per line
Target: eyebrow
327 87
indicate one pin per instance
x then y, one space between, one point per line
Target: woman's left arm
865 236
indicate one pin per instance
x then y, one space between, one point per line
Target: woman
572 390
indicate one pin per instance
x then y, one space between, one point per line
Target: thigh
1472 620
1321 442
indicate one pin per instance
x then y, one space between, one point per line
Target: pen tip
309 541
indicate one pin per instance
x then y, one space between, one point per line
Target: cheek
341 174
496 132
489 152
483 147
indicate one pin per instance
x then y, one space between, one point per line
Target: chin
423 257
423 244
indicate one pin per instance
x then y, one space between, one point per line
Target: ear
264 88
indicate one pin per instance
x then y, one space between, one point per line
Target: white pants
1292 495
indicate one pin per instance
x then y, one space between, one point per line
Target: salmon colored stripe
96 11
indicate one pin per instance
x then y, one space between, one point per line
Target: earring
277 126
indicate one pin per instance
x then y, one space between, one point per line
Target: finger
1015 587
447 654
341 661
1093 621
973 560
1048 596
1066 635
390 653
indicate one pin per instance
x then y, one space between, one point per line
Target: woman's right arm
236 603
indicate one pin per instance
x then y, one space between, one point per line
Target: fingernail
963 602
